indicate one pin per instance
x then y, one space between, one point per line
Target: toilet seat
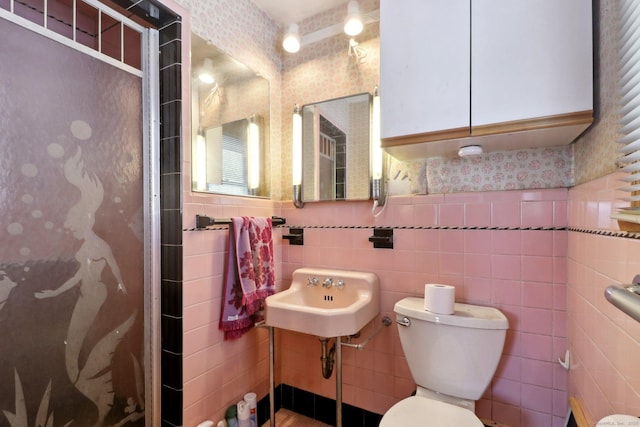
420 411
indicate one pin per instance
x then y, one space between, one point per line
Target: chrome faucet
328 282
312 281
339 284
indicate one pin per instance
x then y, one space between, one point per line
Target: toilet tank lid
465 315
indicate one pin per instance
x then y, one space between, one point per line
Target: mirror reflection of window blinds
234 158
234 153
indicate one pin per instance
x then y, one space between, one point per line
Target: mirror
230 124
336 149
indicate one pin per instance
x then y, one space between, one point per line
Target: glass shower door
71 237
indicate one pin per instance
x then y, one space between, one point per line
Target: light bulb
291 41
353 24
205 75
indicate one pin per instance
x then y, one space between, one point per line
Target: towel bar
203 221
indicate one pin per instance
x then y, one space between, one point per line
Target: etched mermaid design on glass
6 285
94 379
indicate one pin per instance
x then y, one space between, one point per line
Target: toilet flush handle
405 321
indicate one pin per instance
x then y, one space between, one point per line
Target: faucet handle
327 282
339 284
312 281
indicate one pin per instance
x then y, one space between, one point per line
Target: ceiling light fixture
205 74
353 24
291 41
470 150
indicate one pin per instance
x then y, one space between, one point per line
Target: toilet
452 359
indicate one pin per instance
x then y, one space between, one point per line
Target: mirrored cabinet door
336 149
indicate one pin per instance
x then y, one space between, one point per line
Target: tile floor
286 418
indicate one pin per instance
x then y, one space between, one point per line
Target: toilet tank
455 354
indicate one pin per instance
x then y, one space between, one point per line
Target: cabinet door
424 66
530 59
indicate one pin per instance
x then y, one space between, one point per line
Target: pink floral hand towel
249 275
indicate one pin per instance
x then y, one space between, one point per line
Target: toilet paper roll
439 299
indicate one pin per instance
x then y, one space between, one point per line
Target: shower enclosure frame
150 76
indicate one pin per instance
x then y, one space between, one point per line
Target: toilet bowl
452 359
422 411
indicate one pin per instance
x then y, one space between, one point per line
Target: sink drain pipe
327 358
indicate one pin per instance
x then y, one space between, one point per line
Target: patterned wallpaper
597 150
502 170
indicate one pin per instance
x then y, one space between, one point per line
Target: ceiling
286 12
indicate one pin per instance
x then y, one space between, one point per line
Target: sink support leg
272 379
339 382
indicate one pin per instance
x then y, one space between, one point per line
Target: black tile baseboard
315 406
319 408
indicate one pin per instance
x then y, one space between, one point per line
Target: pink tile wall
217 373
522 272
604 342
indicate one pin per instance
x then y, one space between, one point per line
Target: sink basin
341 306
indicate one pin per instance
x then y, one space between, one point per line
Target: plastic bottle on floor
244 414
231 416
251 400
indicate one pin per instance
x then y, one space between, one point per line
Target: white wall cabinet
424 66
504 74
